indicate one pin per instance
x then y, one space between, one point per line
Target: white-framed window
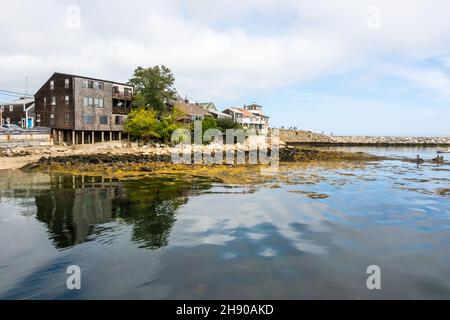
53 101
52 85
52 116
2 108
95 102
90 101
8 120
101 103
38 118
66 100
85 101
66 83
11 108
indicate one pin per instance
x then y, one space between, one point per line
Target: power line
2 91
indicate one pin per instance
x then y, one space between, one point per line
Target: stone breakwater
300 136
390 140
307 137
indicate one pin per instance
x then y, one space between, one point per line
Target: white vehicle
11 127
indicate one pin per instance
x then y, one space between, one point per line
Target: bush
142 124
227 123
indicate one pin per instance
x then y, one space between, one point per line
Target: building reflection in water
73 206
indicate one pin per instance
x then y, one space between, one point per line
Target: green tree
153 87
208 123
166 126
142 124
227 123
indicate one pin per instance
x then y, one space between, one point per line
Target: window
88 101
66 100
52 116
38 118
101 103
127 92
11 108
8 120
67 117
2 108
119 120
23 122
115 89
88 119
88 84
99 86
53 101
66 83
95 102
45 101
52 85
103 119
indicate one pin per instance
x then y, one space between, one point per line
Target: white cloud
215 50
425 79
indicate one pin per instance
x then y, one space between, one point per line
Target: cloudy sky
347 67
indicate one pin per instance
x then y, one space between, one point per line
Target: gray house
83 110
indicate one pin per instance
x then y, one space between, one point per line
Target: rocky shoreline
123 155
150 159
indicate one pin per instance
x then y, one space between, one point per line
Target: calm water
165 238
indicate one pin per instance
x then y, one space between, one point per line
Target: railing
121 95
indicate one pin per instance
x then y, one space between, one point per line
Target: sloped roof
208 106
245 112
190 109
220 114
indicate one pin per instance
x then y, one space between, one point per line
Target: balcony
122 96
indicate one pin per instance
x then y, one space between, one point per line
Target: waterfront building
81 109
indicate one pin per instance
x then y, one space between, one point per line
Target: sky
350 67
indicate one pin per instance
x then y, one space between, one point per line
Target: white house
250 117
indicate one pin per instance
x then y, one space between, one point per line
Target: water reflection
74 205
223 241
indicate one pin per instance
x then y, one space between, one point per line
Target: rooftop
20 101
191 109
95 79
